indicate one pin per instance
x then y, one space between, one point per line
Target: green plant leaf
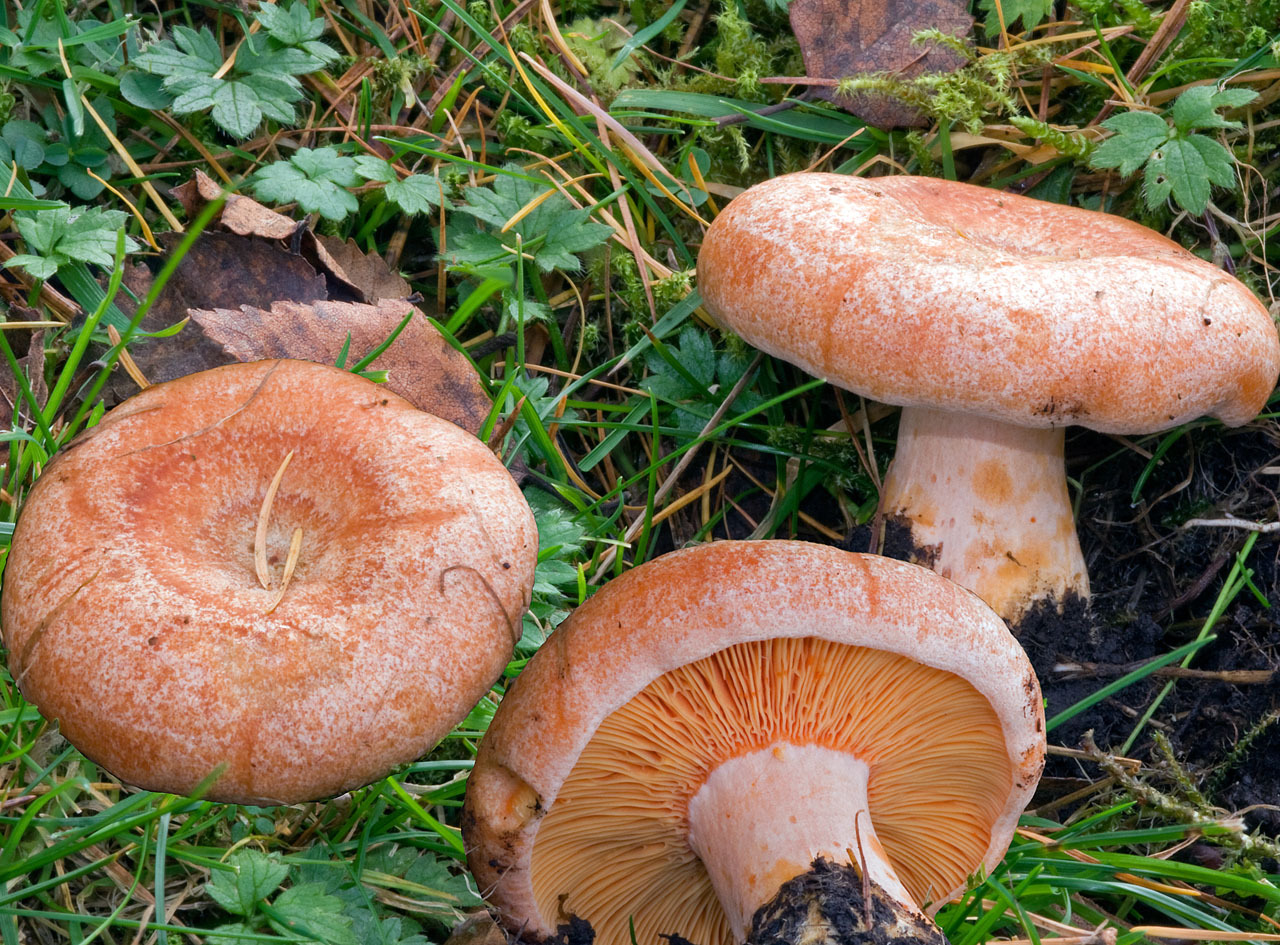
1136 136
1198 106
554 231
38 267
372 167
252 878
290 25
145 89
1185 168
1030 12
1177 169
26 141
417 193
236 107
315 179
308 911
85 234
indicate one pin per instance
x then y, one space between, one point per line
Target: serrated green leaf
1136 135
38 267
1030 12
315 179
193 93
1177 169
438 884
372 167
1197 107
308 911
1218 163
291 25
417 193
236 108
190 52
264 58
252 878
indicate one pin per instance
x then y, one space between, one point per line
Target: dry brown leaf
366 276
221 270
421 366
840 39
240 215
12 406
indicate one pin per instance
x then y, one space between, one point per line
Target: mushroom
717 731
994 321
278 573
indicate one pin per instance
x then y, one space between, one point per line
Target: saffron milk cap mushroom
710 725
277 572
995 321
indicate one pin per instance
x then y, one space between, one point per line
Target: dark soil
1154 583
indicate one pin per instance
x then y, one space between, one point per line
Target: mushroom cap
923 292
133 614
835 631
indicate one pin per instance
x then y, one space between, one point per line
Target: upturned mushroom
994 321
277 573
727 743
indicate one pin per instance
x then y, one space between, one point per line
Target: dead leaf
366 276
221 270
14 410
241 215
421 366
839 39
477 928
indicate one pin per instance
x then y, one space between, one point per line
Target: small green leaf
307 911
38 267
1197 107
417 193
145 89
1030 12
1177 169
1136 136
314 179
372 167
252 878
291 25
236 108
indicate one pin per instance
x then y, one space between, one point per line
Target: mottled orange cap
134 615
923 292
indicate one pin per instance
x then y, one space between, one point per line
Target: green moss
972 95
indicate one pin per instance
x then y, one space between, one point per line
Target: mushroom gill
615 846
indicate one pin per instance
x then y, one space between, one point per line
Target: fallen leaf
241 215
221 270
14 411
367 277
421 366
839 40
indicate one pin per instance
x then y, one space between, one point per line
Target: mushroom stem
761 819
988 507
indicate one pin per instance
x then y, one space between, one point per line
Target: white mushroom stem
988 507
762 818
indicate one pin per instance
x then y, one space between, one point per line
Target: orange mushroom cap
688 694
923 292
134 615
